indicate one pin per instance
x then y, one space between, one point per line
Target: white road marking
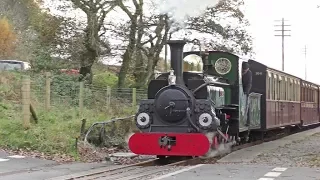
272 174
3 160
279 169
16 156
177 172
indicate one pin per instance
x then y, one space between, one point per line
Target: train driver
246 84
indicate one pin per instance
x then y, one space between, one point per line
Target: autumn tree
36 32
7 39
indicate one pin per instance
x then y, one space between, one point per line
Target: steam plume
222 149
180 10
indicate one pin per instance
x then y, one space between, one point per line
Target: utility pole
305 61
282 35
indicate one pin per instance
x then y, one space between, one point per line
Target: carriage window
279 88
285 89
311 100
268 86
308 93
299 91
290 90
275 87
272 87
303 93
316 95
293 91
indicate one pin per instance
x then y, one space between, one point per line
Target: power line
282 35
305 61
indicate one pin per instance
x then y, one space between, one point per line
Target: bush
105 79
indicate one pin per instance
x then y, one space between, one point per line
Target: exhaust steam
221 150
180 10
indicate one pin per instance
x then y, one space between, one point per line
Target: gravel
302 153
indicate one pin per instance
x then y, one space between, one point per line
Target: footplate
169 144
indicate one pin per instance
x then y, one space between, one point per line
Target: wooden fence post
108 96
134 97
48 93
25 90
81 92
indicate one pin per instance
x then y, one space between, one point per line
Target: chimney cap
177 42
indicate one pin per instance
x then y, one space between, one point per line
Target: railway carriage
280 103
309 103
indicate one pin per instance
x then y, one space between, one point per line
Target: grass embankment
56 130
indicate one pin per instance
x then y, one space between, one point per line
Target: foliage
57 128
43 23
94 44
105 79
7 38
42 60
36 31
191 66
232 35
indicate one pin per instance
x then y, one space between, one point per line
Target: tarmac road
25 168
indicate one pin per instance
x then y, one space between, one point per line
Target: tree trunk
139 65
92 48
128 55
124 69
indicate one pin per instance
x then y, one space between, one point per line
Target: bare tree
148 35
156 31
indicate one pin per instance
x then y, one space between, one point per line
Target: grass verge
55 133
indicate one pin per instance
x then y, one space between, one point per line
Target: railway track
127 172
147 168
154 167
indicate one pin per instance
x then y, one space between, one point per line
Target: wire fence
72 94
58 92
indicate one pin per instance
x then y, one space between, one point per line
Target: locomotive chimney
176 49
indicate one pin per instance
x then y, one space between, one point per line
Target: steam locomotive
191 113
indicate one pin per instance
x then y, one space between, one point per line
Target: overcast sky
305 28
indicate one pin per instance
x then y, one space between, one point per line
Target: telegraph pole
282 35
305 61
